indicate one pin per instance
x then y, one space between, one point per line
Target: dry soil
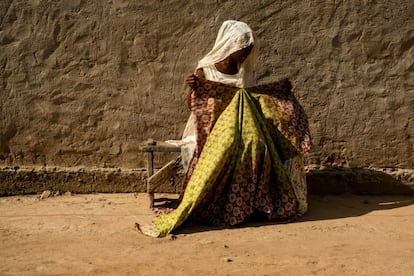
94 235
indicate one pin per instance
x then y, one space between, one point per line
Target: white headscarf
232 37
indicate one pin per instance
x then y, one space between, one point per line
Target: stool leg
150 171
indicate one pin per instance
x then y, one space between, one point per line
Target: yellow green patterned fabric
243 138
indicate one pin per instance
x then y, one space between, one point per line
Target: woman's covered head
234 38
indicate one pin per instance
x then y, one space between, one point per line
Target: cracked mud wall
82 83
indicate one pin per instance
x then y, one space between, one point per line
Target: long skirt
248 157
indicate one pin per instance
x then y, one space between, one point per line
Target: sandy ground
94 235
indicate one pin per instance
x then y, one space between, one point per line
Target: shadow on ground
321 207
337 207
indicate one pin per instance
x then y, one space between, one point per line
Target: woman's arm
190 82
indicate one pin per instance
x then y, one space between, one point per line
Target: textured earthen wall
82 83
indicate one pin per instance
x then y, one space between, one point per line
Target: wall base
321 180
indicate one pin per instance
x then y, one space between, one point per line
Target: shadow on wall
362 181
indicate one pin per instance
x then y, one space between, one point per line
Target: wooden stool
151 146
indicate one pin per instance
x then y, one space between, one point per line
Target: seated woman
248 141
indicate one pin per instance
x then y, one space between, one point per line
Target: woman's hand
190 81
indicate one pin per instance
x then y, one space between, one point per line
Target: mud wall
82 83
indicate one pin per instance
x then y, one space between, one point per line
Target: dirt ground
94 235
